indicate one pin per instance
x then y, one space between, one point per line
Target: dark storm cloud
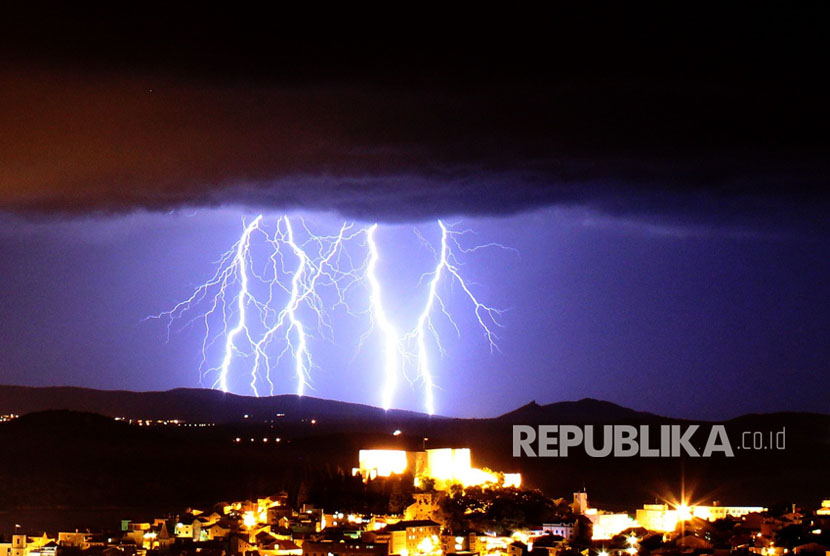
722 122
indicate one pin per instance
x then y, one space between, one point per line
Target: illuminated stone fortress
444 466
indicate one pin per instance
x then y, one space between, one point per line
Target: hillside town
452 509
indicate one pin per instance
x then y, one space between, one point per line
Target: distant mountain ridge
586 410
188 404
205 405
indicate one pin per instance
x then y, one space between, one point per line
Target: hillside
189 404
63 458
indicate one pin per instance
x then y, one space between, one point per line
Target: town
439 504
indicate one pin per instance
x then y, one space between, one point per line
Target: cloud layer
675 130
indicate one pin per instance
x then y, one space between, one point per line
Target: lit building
352 548
24 545
80 540
564 530
663 519
495 545
445 466
412 537
825 508
605 525
462 543
381 463
658 517
608 525
272 546
188 528
216 532
713 513
580 505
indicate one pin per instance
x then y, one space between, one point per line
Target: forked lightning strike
303 290
240 265
322 263
485 315
391 342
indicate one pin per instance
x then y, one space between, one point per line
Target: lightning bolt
303 290
240 266
251 323
391 342
487 316
232 267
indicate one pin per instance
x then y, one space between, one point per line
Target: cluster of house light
161 422
264 439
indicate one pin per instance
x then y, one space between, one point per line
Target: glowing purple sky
666 185
660 318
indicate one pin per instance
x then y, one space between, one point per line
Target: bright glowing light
320 264
303 290
513 480
243 299
382 462
268 312
424 323
302 361
429 545
684 512
665 518
608 525
445 466
249 519
448 464
447 263
657 517
232 267
391 342
454 465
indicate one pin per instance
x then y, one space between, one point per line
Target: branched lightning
391 342
257 327
232 267
303 290
243 298
487 317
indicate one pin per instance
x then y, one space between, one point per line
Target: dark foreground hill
189 404
584 411
62 458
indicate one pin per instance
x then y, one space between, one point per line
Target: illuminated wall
608 525
381 463
449 464
713 513
454 465
445 465
658 517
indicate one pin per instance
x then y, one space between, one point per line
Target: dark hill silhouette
193 405
584 411
62 458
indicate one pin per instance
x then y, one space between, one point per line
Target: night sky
660 179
